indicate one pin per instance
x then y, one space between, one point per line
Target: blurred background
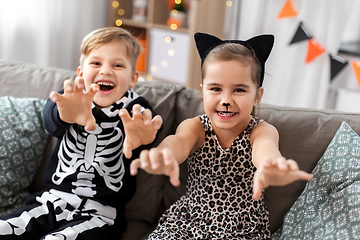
315 61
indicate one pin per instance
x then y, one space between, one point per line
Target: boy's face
108 66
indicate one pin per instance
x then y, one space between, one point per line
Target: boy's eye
118 65
96 63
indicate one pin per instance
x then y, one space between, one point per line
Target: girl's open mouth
225 114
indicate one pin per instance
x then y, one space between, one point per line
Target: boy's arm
172 151
75 106
272 168
51 120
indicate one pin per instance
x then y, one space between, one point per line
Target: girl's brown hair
238 52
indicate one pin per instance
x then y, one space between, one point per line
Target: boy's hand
140 129
278 172
74 106
156 161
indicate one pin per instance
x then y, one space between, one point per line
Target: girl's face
229 83
108 66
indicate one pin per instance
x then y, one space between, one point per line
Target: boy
87 177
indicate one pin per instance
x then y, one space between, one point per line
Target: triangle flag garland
302 33
356 67
314 50
288 10
337 63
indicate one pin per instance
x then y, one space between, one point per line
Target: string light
174 12
173 26
118 22
153 68
121 12
149 78
229 3
178 1
115 4
164 63
141 79
167 39
171 52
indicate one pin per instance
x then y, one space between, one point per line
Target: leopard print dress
218 203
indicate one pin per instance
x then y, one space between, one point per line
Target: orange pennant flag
356 67
288 10
314 50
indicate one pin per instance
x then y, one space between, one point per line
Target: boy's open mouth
105 86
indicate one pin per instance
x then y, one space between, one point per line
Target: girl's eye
216 89
239 90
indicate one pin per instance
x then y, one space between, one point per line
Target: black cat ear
261 45
205 43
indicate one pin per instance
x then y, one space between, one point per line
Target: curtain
289 81
48 32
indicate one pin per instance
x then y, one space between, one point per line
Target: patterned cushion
22 143
329 206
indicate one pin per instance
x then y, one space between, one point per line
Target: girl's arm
272 168
172 151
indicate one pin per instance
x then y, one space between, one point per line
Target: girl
232 156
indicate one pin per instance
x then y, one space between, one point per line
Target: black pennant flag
302 33
336 65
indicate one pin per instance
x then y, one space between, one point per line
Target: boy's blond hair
109 34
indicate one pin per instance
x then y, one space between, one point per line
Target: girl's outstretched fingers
173 167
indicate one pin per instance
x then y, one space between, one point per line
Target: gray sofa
304 136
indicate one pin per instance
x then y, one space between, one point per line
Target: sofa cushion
304 136
329 207
22 143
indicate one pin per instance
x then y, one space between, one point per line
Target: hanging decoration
288 10
337 63
356 67
302 33
315 49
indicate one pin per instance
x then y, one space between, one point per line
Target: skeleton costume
87 177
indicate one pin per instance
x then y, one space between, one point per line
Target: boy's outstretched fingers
157 120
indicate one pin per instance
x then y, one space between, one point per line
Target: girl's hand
277 172
74 106
140 129
156 161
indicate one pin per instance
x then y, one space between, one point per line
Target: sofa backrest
19 79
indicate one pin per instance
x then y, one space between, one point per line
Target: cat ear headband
261 45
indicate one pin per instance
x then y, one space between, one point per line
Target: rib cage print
87 153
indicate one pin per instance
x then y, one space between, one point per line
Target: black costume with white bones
87 177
